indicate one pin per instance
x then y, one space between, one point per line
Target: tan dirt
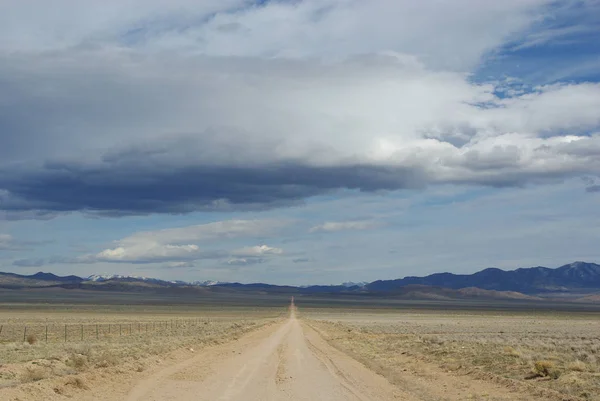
289 362
284 361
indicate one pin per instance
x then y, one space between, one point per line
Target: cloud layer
249 134
282 29
178 246
186 244
7 242
338 139
153 107
356 225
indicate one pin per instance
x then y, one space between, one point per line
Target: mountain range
578 279
117 277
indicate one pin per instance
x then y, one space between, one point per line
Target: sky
298 141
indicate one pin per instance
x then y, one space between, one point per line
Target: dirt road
286 362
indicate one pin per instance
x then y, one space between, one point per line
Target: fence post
82 332
65 333
120 329
24 333
46 333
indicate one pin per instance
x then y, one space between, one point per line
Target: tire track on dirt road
289 362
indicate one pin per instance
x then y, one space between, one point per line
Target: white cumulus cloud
256 251
358 225
176 107
6 242
187 244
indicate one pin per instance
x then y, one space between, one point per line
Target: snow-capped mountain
353 284
207 283
101 278
118 277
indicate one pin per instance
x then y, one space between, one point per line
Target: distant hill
590 298
577 277
40 279
139 279
417 291
579 280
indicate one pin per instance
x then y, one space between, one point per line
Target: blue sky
298 142
561 47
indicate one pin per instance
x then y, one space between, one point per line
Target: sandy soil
285 362
289 360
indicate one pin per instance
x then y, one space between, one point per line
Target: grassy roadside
560 354
24 362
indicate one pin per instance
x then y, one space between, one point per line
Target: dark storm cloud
139 188
593 188
53 260
29 262
137 133
245 261
8 243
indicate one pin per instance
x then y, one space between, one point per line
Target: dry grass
546 369
77 382
31 339
34 373
35 359
577 366
554 352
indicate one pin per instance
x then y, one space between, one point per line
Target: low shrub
546 369
77 361
33 374
31 339
577 366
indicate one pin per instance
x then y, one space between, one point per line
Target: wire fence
71 332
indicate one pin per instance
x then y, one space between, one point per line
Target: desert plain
311 349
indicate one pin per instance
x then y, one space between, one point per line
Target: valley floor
344 356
